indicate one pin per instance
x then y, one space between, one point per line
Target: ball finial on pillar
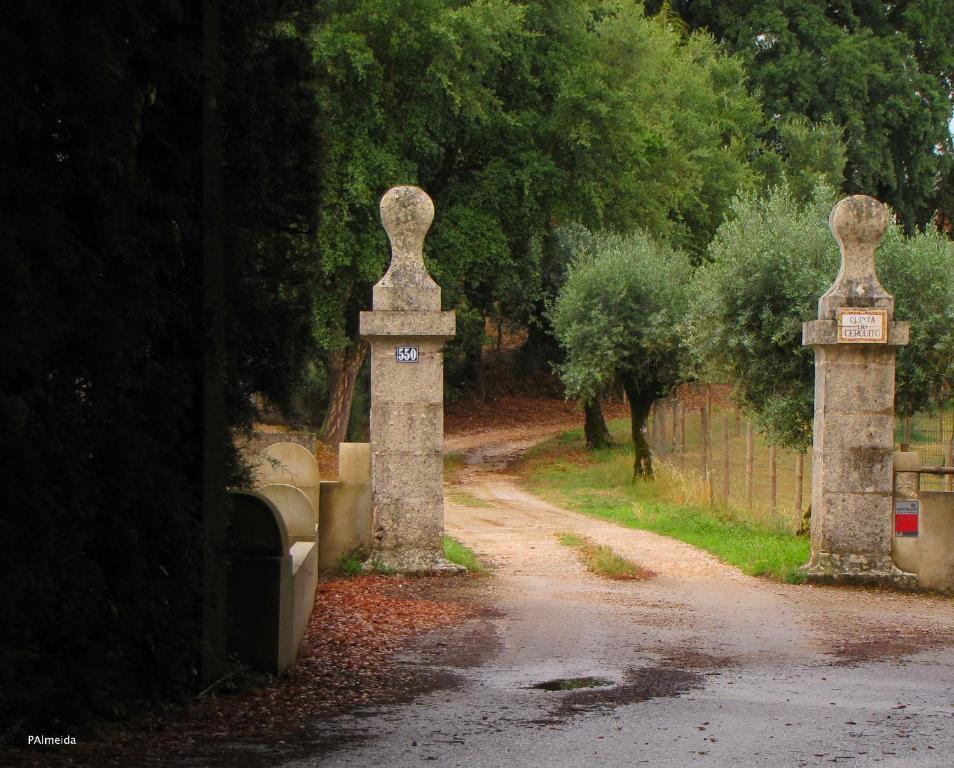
406 214
858 221
858 224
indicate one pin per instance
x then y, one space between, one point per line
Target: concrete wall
304 586
289 464
931 554
259 440
346 507
272 579
296 510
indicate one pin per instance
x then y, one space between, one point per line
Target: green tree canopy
884 72
618 317
516 117
768 266
803 155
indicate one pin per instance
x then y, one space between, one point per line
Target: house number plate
406 354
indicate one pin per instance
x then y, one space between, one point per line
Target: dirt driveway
699 665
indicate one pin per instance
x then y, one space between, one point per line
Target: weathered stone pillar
407 331
855 340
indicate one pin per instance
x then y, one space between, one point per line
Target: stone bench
273 555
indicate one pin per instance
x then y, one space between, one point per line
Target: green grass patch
598 483
465 498
454 463
379 567
571 540
351 563
459 554
602 560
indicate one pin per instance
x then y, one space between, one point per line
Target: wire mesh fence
700 435
932 436
714 448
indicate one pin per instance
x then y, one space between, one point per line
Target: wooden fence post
773 480
682 436
652 428
704 419
663 429
725 456
799 481
949 456
749 460
673 415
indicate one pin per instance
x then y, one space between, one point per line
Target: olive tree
767 266
617 317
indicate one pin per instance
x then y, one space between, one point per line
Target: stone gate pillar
407 331
855 340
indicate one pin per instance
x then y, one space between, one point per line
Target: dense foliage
883 72
767 267
515 117
618 317
100 389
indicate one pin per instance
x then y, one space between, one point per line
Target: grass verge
459 554
454 464
602 560
351 563
464 498
597 483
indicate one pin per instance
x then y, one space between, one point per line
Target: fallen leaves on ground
358 626
347 660
469 416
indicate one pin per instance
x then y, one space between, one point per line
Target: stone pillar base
863 570
413 562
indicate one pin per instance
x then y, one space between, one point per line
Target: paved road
700 665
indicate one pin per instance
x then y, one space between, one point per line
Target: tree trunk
805 525
345 367
640 404
475 361
594 425
214 418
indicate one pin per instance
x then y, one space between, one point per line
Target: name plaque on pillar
862 326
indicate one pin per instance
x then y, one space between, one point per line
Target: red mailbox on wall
906 517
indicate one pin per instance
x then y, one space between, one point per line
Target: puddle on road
637 686
573 683
593 694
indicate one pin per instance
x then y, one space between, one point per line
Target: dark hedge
101 347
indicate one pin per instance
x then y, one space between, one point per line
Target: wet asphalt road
701 665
